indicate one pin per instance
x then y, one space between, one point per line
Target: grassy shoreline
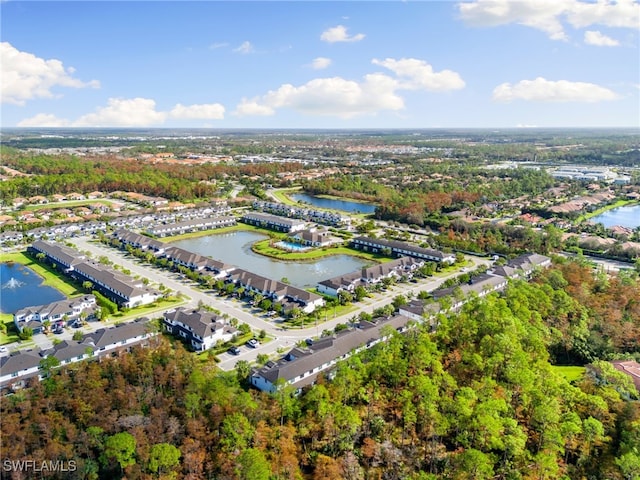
262 247
50 277
606 208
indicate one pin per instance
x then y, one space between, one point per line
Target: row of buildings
288 295
302 365
16 369
317 216
55 313
122 289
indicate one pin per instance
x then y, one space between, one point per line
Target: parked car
58 330
4 350
234 350
308 341
253 343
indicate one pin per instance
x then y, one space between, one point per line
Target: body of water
21 287
235 249
334 204
623 216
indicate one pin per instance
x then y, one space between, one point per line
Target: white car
4 350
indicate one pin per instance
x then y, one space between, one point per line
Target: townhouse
197 262
401 249
118 287
404 266
288 295
274 222
309 214
68 310
111 341
302 365
16 369
194 225
137 241
199 329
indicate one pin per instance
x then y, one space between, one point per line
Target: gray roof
65 255
396 245
201 322
67 350
301 360
110 336
23 360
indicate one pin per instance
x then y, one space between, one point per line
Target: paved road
279 339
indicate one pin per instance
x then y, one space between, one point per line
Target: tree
77 335
121 447
163 457
26 333
252 465
243 370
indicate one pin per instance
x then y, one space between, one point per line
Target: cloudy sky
276 64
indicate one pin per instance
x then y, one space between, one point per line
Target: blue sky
381 64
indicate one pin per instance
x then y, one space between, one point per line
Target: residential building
274 222
301 365
275 290
68 310
401 249
199 329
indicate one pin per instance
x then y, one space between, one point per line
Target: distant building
274 222
401 249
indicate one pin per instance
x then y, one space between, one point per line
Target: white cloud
44 120
132 112
122 112
217 45
339 34
547 15
344 98
620 13
333 96
596 38
544 90
245 48
26 77
320 63
539 14
211 111
419 75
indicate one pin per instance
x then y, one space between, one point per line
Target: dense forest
49 175
476 399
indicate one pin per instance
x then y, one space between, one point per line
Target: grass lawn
236 228
51 277
263 248
283 195
147 310
11 334
570 373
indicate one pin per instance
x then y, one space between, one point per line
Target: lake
235 248
628 216
334 203
21 287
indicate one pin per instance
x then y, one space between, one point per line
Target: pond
628 216
21 287
334 203
235 248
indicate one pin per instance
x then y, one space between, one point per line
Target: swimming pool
284 245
